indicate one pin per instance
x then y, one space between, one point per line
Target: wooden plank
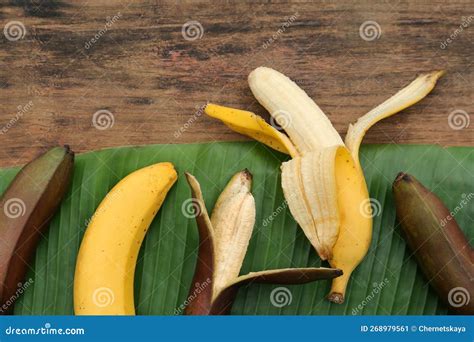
153 81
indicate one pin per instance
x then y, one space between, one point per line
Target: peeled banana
254 126
105 267
323 184
224 238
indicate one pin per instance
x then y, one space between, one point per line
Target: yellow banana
324 184
355 230
105 267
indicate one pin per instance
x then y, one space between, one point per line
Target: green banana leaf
387 282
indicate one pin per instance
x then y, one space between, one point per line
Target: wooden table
135 63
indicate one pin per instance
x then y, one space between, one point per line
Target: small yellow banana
105 267
324 184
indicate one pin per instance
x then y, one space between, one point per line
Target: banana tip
402 176
247 173
68 150
439 73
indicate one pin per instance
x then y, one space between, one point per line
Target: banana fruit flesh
324 184
305 181
105 267
232 218
306 124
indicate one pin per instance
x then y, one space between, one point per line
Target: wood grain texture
153 81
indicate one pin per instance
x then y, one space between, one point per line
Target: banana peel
405 98
223 242
105 266
323 183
